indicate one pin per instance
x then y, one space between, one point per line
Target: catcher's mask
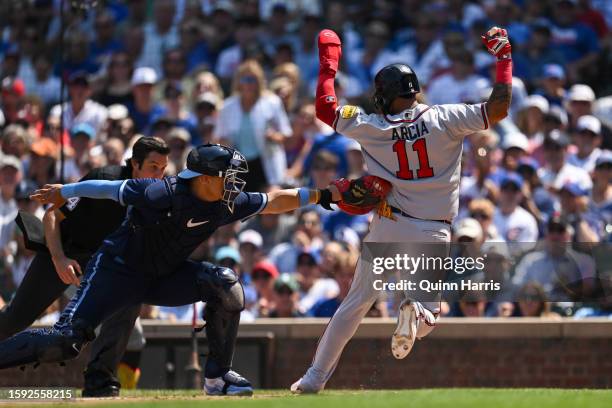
395 80
219 161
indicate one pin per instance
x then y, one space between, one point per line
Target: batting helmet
395 80
219 161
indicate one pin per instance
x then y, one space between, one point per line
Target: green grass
451 398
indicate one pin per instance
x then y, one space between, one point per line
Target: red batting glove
497 43
330 50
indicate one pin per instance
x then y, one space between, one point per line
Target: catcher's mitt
362 195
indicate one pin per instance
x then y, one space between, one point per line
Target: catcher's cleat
302 386
405 333
231 383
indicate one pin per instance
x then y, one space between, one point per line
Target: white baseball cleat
405 333
302 386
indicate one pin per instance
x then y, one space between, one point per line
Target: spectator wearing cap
286 291
479 180
577 42
587 139
116 85
515 146
552 84
533 301
332 142
545 202
46 84
314 288
230 58
483 210
530 120
273 228
80 108
11 173
470 304
206 116
468 237
43 159
534 62
179 142
160 34
460 84
562 271
250 245
263 276
174 108
82 139
587 223
601 195
514 223
254 121
13 94
557 171
579 102
207 82
144 108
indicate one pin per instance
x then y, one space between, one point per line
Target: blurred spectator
601 195
43 157
11 173
533 302
80 108
160 35
552 84
314 288
82 139
250 242
193 46
286 291
254 121
173 75
536 60
513 222
563 273
471 304
47 85
557 171
143 109
580 100
13 93
482 210
461 84
15 141
577 42
530 120
179 143
587 224
263 276
114 150
104 43
275 31
206 116
587 139
245 47
116 87
327 307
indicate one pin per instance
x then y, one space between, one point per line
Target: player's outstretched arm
283 201
497 43
330 51
57 194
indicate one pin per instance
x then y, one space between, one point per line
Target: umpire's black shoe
108 391
230 383
100 383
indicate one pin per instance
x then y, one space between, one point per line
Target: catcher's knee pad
221 286
45 345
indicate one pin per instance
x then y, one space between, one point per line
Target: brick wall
459 353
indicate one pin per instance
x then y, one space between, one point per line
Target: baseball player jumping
417 148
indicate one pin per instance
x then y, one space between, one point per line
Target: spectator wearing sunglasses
482 210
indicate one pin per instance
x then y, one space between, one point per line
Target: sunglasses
248 79
479 215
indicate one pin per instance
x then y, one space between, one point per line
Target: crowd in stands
243 73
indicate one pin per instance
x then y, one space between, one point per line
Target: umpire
73 234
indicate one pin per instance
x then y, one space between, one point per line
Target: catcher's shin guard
35 346
221 287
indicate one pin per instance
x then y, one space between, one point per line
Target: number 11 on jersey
404 172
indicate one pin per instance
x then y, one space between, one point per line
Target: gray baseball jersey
418 151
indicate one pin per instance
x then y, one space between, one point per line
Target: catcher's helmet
395 80
219 161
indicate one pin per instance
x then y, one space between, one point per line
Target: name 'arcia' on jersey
410 132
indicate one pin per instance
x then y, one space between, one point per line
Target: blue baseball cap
529 162
84 128
512 178
553 71
575 189
228 252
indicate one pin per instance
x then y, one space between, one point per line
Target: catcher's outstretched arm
330 51
283 201
497 43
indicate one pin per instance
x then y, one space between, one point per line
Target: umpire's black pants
40 287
